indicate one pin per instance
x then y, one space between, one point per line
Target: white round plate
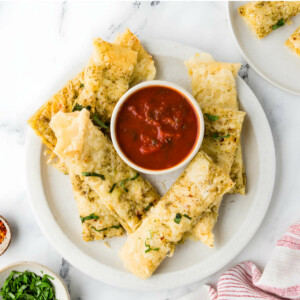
240 216
61 291
268 56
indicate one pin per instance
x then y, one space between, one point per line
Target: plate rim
248 60
126 280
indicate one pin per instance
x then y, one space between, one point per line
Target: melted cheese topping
293 42
221 91
144 68
213 80
201 185
214 87
66 98
84 148
88 203
107 77
261 16
229 125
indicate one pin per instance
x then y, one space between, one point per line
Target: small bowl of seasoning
31 280
157 127
5 235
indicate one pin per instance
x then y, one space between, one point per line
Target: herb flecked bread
263 17
120 75
293 42
200 186
88 153
213 86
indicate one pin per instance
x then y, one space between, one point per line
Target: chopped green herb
82 85
211 117
177 218
80 107
112 188
187 216
77 107
278 24
128 179
89 174
217 137
98 122
90 217
27 285
148 207
114 226
148 246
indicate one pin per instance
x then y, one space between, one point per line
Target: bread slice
213 83
220 142
201 185
293 42
69 95
144 68
213 86
96 220
85 149
263 17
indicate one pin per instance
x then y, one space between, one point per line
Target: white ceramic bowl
5 244
167 84
61 291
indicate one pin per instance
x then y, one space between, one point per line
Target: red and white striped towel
280 279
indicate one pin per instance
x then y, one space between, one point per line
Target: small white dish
6 242
61 291
192 101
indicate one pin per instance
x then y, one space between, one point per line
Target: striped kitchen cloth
280 279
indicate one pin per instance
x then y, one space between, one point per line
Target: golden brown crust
107 61
62 101
213 85
293 42
262 16
84 148
201 185
88 203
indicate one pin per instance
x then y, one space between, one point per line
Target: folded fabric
280 279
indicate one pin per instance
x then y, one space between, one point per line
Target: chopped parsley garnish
114 226
27 285
211 117
82 85
148 207
80 107
278 24
128 179
89 217
217 137
89 174
112 188
178 218
148 246
187 216
96 120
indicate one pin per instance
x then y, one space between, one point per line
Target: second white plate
55 209
269 57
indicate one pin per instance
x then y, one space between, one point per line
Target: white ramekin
188 96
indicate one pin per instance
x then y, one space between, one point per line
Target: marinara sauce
157 127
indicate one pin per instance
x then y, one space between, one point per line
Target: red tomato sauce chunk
157 127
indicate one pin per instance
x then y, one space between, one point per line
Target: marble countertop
40 42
